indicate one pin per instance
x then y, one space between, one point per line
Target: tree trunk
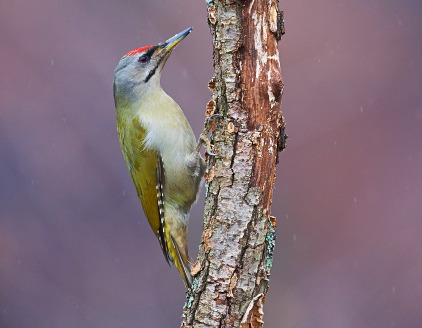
235 256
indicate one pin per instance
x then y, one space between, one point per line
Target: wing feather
147 171
159 185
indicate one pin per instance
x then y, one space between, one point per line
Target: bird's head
141 68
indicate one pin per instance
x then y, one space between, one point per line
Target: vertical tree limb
235 255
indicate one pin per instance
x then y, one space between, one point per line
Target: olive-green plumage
159 148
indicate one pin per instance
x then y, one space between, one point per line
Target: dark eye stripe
150 51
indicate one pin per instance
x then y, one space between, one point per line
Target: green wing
147 172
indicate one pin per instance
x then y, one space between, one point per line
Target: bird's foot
203 137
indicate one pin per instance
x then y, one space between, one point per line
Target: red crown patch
137 51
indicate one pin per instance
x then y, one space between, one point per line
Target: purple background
75 248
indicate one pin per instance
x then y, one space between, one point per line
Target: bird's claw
212 116
211 153
204 139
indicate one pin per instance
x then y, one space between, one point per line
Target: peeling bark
235 256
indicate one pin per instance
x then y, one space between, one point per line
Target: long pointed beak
173 41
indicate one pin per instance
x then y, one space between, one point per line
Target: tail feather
182 263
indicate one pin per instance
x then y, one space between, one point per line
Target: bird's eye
143 59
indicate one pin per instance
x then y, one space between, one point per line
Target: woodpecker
159 148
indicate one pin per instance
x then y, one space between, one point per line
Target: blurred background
75 248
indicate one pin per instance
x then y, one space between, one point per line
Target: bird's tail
180 257
176 238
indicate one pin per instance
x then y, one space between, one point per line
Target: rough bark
235 256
